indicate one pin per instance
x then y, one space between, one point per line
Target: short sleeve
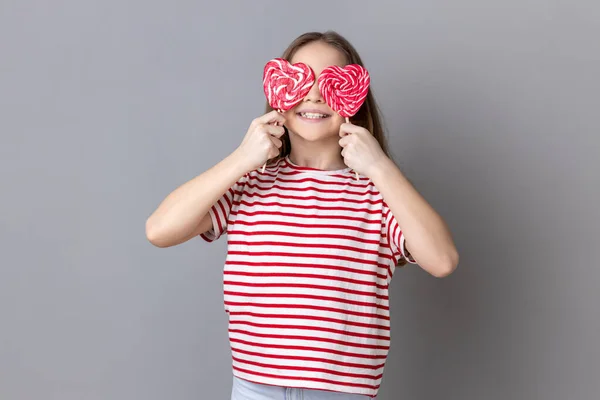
220 211
395 237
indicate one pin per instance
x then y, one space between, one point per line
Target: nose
314 95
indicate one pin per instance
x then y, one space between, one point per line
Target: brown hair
368 116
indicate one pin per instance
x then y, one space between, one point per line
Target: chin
313 135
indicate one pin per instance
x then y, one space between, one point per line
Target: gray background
105 107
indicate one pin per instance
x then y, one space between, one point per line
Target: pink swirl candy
344 88
286 84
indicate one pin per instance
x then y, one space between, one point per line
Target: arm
427 237
183 214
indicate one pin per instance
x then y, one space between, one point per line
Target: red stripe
205 237
276 169
310 307
316 256
296 265
310 216
281 171
310 359
329 256
314 180
387 211
312 276
307 226
310 189
323 199
311 328
307 369
307 286
218 219
396 236
305 235
310 339
309 317
229 197
224 205
306 379
306 296
308 348
353 210
304 245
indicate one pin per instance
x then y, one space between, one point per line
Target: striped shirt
310 255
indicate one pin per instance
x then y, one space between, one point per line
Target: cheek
337 120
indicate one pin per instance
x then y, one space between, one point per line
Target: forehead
318 56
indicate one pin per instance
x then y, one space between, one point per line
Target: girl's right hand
262 141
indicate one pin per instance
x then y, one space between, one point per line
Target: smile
310 115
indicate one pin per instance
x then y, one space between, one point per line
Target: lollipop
344 89
286 84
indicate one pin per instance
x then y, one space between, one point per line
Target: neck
324 154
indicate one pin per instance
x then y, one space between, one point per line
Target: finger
278 143
343 132
346 129
345 140
274 130
275 145
270 118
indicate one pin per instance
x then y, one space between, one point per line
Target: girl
311 250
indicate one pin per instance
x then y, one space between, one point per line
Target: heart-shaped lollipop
286 84
344 88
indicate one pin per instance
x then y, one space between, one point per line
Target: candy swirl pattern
286 84
344 88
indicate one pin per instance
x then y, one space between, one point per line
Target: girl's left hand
361 151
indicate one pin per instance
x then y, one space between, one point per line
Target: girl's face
312 118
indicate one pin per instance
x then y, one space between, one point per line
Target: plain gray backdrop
492 110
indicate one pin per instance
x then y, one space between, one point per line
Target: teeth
313 115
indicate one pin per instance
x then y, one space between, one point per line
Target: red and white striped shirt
309 259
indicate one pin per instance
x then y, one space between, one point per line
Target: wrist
380 168
240 161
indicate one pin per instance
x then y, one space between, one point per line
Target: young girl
311 250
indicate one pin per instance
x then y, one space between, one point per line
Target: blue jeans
245 390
